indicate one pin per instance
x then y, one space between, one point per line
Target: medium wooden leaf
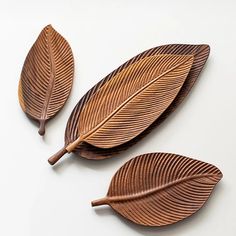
200 52
159 189
46 77
123 108
131 101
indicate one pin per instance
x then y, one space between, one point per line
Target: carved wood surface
46 77
98 128
158 189
200 52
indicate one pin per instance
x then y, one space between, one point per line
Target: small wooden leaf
159 189
46 77
200 52
131 101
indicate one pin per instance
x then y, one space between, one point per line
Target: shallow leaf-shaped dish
159 189
200 54
46 77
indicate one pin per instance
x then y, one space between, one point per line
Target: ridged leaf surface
200 53
125 107
46 77
158 189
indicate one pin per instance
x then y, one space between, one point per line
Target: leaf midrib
86 135
142 194
52 75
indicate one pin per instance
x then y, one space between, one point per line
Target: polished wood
46 77
84 149
158 189
200 52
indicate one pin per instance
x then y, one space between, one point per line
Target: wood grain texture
46 77
131 101
200 52
159 189
124 107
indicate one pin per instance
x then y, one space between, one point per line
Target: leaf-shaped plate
131 101
200 52
46 77
159 189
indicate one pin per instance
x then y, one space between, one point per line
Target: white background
39 200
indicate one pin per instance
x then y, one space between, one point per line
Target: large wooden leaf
86 150
158 189
46 77
123 108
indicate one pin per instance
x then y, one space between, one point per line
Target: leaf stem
41 127
57 156
74 144
99 202
69 148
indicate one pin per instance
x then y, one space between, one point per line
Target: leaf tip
49 26
220 175
207 46
205 49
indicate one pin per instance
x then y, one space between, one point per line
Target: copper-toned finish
159 189
131 101
200 52
46 77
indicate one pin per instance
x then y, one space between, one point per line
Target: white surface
38 200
